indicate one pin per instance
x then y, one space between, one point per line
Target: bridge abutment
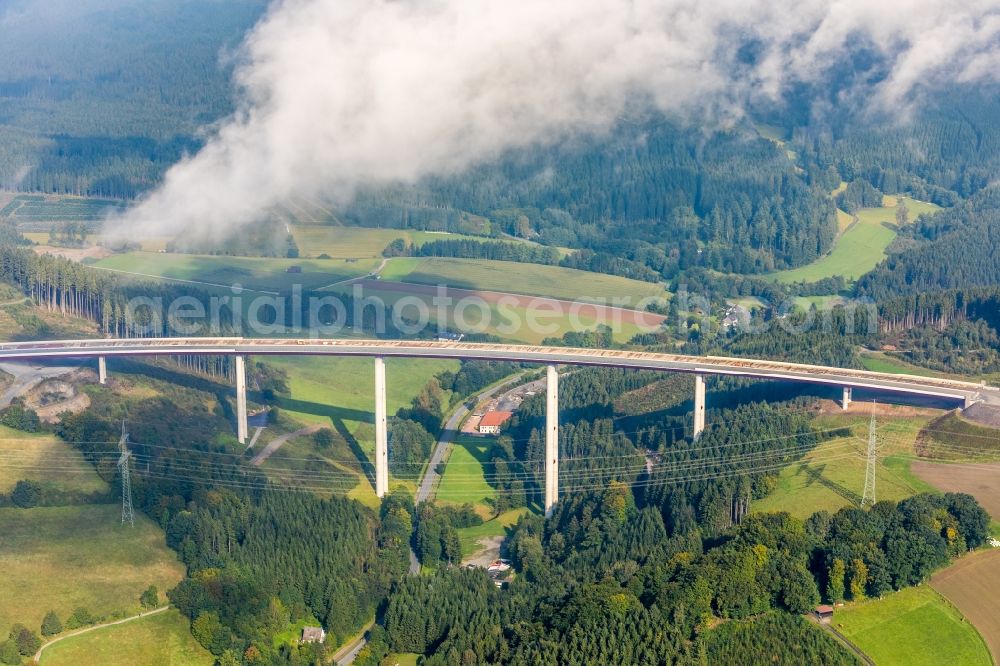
241 400
699 405
381 431
551 439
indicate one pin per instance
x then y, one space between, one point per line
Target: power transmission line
868 498
123 469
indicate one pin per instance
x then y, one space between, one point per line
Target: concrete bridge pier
381 431
551 439
845 402
699 405
102 370
241 400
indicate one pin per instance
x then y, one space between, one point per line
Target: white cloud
338 93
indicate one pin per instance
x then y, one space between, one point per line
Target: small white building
313 635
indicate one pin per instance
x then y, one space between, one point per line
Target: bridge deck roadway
881 381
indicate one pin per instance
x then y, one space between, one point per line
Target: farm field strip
507 315
818 482
510 277
321 394
28 456
970 584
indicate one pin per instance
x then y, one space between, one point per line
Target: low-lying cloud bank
340 93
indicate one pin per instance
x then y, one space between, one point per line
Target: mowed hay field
162 638
61 558
46 459
861 246
253 273
913 627
971 584
532 279
981 480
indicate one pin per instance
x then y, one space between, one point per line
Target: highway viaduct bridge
966 393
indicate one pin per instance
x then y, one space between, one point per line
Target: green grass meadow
912 627
253 273
162 639
882 362
338 392
498 526
832 475
530 279
860 247
464 478
359 242
60 558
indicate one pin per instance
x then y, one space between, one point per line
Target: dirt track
971 584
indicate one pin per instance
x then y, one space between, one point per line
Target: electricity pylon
123 469
868 498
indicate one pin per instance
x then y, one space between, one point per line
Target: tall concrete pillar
381 431
699 405
102 369
845 402
241 400
551 439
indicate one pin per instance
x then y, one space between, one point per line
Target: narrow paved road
349 651
277 443
38 655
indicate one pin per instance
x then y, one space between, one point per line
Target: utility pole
868 498
123 469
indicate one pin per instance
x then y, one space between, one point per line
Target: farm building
491 422
824 613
